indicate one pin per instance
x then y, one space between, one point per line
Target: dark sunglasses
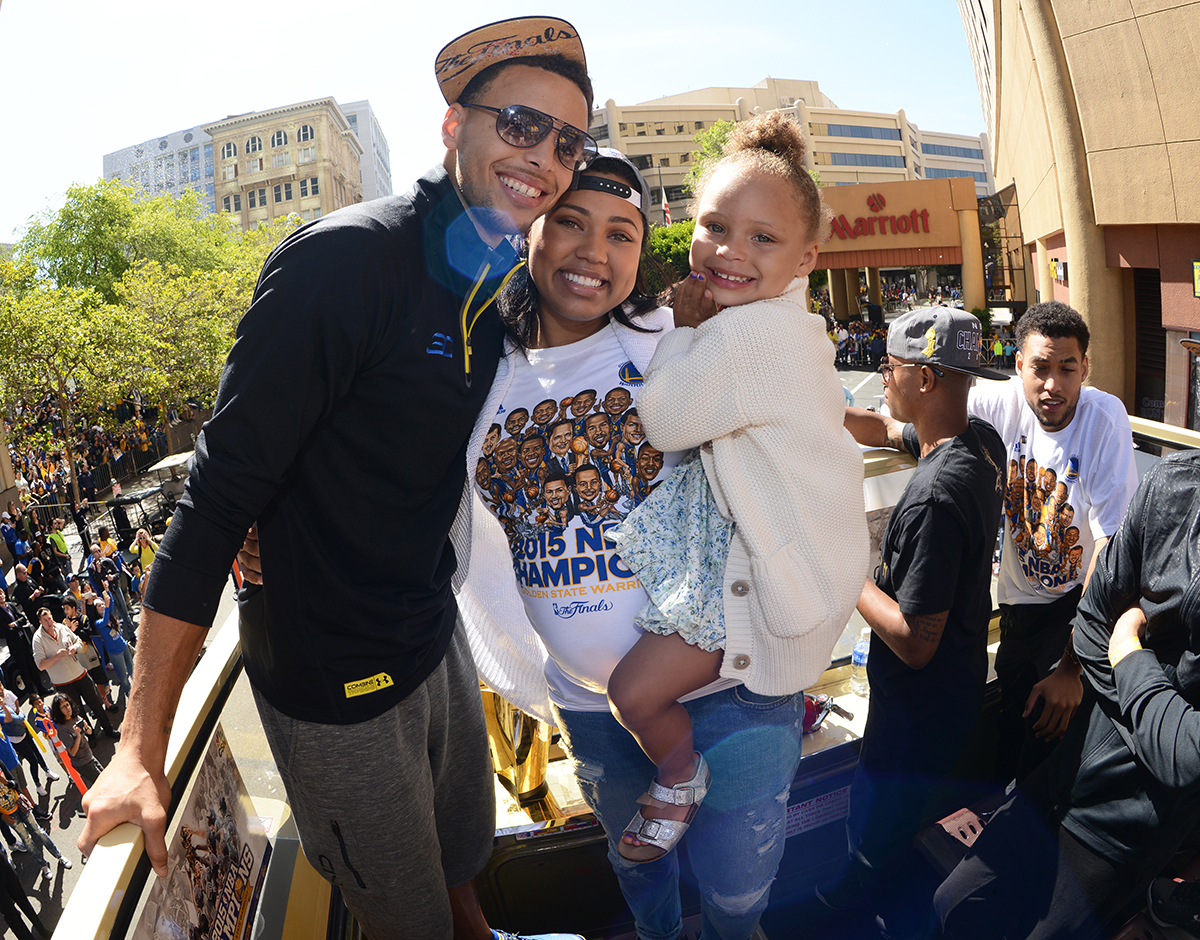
527 127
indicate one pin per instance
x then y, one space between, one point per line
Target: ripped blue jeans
752 745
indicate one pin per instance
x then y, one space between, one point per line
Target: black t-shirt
937 555
23 594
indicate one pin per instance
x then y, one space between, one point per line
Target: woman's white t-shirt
569 463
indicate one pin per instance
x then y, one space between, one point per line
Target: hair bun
773 132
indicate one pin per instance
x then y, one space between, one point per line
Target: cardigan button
741 661
740 588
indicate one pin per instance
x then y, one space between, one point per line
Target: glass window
252 199
254 165
856 130
305 133
308 187
229 172
937 173
237 202
283 192
279 139
862 159
229 151
228 204
306 155
942 151
281 159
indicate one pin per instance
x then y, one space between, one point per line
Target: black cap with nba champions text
463 58
940 336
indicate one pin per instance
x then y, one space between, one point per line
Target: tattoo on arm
928 628
894 435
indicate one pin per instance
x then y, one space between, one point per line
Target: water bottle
858 664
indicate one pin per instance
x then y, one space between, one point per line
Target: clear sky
81 78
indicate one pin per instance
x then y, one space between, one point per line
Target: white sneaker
46 873
65 862
51 775
40 789
20 846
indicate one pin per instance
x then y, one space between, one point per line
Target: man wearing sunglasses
359 369
928 607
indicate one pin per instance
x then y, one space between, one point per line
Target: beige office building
846 147
1091 112
301 158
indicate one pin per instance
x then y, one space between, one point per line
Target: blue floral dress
677 542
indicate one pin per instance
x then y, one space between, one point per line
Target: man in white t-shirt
1071 474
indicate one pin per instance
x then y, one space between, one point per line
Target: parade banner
216 859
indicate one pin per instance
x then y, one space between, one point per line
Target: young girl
756 545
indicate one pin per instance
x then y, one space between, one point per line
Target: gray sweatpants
395 810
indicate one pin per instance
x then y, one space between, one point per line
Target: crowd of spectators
137 438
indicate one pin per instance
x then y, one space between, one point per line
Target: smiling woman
586 259
559 456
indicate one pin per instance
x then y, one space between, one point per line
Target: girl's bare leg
643 692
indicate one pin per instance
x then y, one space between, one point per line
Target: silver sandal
662 835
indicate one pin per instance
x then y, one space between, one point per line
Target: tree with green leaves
104 229
66 343
710 146
112 294
670 245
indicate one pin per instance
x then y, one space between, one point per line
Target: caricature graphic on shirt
579 459
1040 518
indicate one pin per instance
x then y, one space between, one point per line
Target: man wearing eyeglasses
370 329
928 607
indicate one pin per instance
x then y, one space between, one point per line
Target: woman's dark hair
519 302
56 712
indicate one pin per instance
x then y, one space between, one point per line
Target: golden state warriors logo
931 341
629 375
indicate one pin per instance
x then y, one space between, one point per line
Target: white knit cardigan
792 480
509 655
755 388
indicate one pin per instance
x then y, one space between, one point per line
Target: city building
376 164
1091 119
846 147
170 164
301 158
